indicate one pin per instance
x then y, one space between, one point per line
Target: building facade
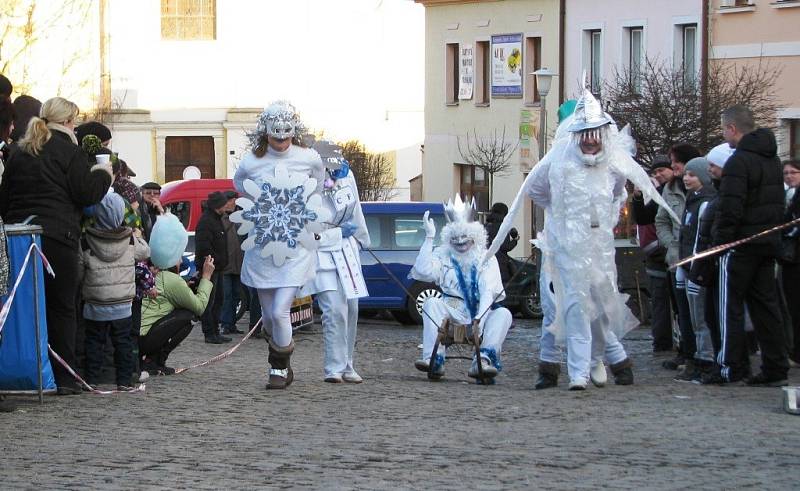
764 33
478 60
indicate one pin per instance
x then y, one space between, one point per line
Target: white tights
275 306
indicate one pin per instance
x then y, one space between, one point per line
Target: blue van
397 233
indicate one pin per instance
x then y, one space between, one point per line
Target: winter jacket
106 265
55 186
704 271
210 240
644 215
667 229
691 220
751 195
504 261
173 293
791 236
235 253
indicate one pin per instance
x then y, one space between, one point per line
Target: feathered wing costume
582 196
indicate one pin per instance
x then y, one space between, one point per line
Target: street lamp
544 77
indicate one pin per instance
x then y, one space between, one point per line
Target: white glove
430 227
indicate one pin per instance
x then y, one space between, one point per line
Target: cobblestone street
216 427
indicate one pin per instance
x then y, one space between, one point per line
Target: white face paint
462 243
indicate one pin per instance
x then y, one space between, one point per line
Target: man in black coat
750 201
210 241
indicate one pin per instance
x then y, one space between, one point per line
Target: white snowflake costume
471 289
582 195
339 282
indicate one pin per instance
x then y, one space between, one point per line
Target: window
794 139
181 210
474 183
451 74
635 57
688 52
483 75
409 231
374 228
188 20
533 62
595 60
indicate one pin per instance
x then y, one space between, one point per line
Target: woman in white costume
275 146
339 282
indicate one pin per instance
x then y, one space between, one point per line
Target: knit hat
93 128
168 241
660 161
110 212
216 200
699 167
720 154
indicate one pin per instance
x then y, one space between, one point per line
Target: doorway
183 151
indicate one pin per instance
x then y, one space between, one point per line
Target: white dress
259 272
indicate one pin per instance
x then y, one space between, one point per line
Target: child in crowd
109 253
699 192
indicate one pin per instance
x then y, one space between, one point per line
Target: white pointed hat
588 113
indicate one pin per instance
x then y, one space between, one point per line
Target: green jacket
173 293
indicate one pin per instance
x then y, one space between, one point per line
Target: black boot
548 375
623 372
280 374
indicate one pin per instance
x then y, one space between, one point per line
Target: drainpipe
706 41
562 19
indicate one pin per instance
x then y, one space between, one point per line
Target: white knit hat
719 155
167 241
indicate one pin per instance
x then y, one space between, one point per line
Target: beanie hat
110 212
216 200
168 241
93 128
660 161
699 167
720 154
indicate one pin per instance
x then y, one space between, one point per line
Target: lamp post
544 77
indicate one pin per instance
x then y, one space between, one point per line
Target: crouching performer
470 289
581 185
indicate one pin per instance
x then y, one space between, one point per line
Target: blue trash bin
20 363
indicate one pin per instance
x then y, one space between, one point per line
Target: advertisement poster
466 72
527 135
507 65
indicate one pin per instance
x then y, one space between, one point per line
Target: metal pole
36 322
542 126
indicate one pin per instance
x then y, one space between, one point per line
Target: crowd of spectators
116 254
743 301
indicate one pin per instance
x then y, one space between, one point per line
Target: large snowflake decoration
281 215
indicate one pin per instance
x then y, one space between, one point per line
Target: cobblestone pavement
216 427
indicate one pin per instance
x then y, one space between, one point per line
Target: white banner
507 65
466 72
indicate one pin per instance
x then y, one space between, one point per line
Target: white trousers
276 304
495 327
588 343
339 327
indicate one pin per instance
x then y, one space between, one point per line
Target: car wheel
530 305
419 293
244 302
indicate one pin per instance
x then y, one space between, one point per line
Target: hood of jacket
108 245
761 141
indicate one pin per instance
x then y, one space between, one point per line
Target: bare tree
373 172
665 106
492 155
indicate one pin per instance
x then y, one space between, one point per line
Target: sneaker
578 384
352 377
422 365
598 375
143 376
149 367
762 380
165 370
214 340
689 372
124 388
674 364
231 330
334 379
712 377
224 339
489 371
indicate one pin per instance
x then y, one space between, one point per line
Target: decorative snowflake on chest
281 215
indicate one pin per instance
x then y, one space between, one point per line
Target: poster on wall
527 135
507 65
465 72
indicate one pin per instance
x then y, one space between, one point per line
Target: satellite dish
191 172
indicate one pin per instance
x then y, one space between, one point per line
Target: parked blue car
397 233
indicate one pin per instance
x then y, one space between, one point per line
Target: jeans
661 319
255 307
165 335
96 334
230 303
60 292
210 318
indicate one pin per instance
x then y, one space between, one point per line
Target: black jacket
691 220
704 271
751 195
210 241
644 214
55 186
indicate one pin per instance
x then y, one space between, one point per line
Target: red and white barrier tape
225 353
6 310
138 388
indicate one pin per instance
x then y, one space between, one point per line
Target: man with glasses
151 208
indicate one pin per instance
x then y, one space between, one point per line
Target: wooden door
183 151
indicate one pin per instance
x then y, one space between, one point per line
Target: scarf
63 129
469 292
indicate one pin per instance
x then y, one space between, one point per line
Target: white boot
598 375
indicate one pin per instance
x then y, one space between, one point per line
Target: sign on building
507 65
466 72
